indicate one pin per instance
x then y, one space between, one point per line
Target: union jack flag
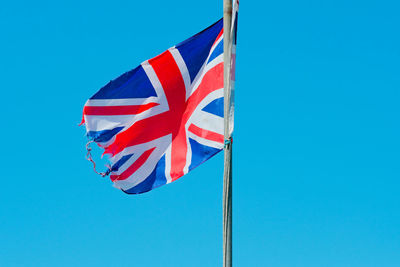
163 118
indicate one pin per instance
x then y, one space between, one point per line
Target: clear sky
316 146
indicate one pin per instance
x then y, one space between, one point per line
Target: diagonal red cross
172 121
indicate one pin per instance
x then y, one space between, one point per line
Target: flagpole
227 187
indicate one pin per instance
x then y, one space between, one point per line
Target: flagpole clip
228 141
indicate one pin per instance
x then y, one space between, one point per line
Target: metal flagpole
227 188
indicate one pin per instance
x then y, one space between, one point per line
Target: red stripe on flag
117 110
171 79
134 167
212 80
219 35
209 135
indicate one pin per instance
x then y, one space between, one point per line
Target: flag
163 118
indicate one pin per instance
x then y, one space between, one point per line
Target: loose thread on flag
90 158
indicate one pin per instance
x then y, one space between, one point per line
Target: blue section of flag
202 154
195 50
120 162
235 28
155 179
103 136
217 51
216 107
132 84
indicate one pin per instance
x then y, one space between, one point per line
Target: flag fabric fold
163 118
232 42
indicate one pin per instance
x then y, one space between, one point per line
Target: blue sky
316 150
